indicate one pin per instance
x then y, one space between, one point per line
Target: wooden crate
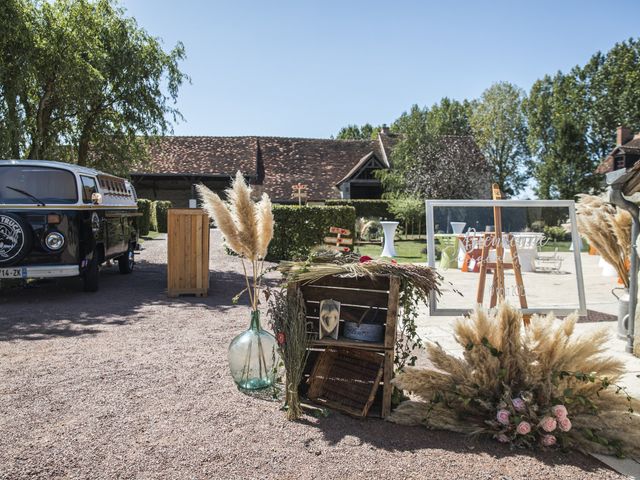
188 252
346 379
356 295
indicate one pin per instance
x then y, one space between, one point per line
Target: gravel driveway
127 383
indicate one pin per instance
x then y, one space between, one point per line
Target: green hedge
162 211
147 209
366 208
298 229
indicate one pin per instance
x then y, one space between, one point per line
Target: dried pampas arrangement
536 386
608 229
247 228
289 321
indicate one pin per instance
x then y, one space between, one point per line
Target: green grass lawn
409 251
563 246
150 236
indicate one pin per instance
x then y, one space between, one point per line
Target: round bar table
389 228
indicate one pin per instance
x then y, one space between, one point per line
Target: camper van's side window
88 188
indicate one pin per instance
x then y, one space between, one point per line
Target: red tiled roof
274 163
202 156
632 147
319 164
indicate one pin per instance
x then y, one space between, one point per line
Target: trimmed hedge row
298 229
162 211
365 208
147 209
154 216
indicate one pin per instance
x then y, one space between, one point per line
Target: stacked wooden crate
347 374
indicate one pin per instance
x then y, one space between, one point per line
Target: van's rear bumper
44 271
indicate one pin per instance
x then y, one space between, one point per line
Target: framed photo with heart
329 319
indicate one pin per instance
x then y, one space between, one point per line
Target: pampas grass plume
219 212
244 215
264 213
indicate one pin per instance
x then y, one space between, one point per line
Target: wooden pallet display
356 296
188 252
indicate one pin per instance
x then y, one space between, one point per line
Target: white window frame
575 238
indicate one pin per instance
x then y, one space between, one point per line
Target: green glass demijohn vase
253 357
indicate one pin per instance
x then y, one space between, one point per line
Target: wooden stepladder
495 241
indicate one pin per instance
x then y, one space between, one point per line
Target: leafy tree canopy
500 128
80 81
582 108
354 132
434 157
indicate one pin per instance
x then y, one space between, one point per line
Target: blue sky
305 68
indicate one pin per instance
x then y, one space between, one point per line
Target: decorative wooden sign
339 242
329 319
299 192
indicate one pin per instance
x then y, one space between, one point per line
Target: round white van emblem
11 237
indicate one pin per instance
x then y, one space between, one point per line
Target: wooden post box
188 252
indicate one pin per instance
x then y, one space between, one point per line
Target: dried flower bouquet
536 386
247 227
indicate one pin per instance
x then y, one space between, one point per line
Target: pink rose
503 417
548 440
523 428
564 424
502 438
559 411
548 424
518 404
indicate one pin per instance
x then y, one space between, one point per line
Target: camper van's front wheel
91 275
127 261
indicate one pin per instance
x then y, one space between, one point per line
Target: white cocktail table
389 228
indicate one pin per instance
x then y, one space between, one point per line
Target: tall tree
595 99
500 128
93 85
612 90
436 157
567 169
354 132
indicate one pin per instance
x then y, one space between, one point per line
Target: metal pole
633 285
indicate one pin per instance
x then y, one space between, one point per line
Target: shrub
556 234
162 211
298 229
366 208
147 209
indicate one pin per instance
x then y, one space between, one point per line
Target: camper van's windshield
49 185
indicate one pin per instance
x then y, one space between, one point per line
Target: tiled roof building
330 168
625 154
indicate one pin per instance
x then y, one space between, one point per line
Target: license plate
13 272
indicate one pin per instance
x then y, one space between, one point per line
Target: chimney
623 135
384 129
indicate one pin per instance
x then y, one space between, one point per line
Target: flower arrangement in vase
247 228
